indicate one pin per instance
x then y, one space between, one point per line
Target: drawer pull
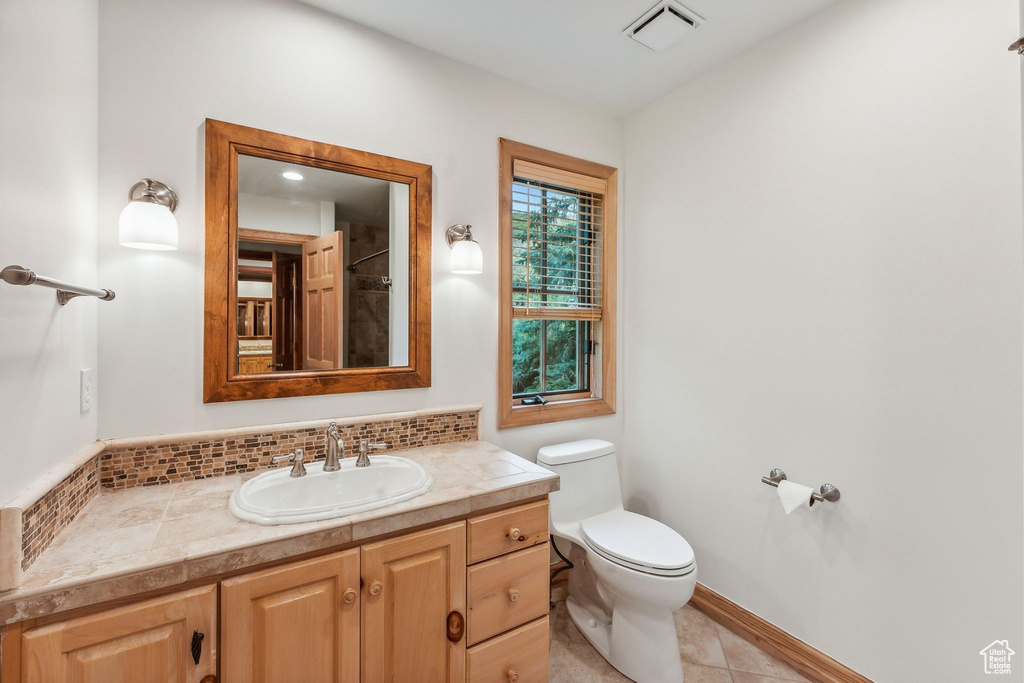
513 595
513 676
515 534
376 588
349 596
197 646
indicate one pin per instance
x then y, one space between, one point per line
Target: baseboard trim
811 663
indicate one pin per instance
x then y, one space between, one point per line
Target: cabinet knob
513 595
209 679
456 626
376 588
513 676
349 596
515 534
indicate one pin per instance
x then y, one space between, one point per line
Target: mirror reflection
323 269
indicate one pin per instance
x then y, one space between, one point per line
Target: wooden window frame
510 411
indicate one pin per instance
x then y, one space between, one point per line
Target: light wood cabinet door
149 642
414 607
299 622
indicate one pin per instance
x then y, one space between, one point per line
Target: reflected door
322 296
287 311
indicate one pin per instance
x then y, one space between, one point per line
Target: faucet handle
364 445
298 469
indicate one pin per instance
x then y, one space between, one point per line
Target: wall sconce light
148 221
467 256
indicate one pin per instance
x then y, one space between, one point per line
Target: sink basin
276 498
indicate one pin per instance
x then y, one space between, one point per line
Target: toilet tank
588 485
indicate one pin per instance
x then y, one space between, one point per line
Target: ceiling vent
663 25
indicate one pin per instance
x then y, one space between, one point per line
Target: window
557 221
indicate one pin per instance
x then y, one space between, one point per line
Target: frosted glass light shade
145 225
467 258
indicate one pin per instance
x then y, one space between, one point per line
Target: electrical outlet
88 389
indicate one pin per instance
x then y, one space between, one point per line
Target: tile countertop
141 539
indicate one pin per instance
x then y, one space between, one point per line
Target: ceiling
357 199
575 48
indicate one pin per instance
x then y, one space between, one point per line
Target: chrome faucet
364 459
298 469
335 449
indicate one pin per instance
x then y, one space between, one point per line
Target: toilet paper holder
825 491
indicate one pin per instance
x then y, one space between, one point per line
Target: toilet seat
638 543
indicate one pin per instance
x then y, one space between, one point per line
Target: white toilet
631 572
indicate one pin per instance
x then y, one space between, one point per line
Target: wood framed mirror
317 268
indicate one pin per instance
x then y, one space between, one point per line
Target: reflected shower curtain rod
352 266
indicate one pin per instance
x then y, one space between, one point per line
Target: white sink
276 498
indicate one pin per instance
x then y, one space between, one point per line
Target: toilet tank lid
573 451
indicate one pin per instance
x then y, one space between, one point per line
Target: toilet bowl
631 572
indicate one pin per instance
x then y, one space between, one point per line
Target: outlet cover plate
88 389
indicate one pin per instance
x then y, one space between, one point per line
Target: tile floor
711 653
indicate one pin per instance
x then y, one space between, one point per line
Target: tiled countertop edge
23 604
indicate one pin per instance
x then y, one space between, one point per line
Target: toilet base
642 646
597 633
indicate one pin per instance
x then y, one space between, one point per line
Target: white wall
289 68
257 212
48 109
248 288
824 274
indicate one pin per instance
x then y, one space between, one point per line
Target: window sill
555 411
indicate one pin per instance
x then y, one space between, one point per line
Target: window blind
557 243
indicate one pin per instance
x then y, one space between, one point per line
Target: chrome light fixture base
458 233
154 192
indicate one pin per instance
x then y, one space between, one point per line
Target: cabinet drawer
519 657
492 535
507 592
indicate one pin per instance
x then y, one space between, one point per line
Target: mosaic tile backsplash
152 464
49 515
166 463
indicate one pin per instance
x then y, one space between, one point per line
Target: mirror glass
323 269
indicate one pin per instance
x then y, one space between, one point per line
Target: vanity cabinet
462 601
147 642
299 622
414 606
260 362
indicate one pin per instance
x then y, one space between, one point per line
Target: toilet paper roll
794 495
